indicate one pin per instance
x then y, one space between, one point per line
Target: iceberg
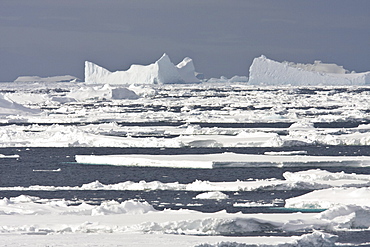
163 71
33 79
264 71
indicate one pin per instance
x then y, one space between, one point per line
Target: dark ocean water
30 168
23 172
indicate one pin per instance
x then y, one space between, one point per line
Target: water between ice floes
56 167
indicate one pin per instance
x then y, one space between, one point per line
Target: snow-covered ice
213 195
328 198
9 107
223 160
97 115
104 92
31 216
282 121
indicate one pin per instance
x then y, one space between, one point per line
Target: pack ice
9 107
264 71
163 71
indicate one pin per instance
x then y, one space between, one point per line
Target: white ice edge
12 156
208 161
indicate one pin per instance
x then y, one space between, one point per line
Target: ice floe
58 219
328 198
9 107
102 92
224 160
29 205
213 195
13 156
115 135
53 216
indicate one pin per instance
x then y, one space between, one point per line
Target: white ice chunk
212 195
9 107
102 92
29 205
13 156
327 198
347 216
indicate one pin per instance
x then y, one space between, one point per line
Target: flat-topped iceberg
62 78
264 71
163 71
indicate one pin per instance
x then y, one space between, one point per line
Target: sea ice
14 156
223 160
302 180
9 107
102 92
331 197
29 205
213 195
347 217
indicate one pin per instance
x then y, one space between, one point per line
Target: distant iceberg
63 78
163 71
264 71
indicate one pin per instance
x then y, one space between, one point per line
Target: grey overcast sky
50 37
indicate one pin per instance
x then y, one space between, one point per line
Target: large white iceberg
163 71
264 71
